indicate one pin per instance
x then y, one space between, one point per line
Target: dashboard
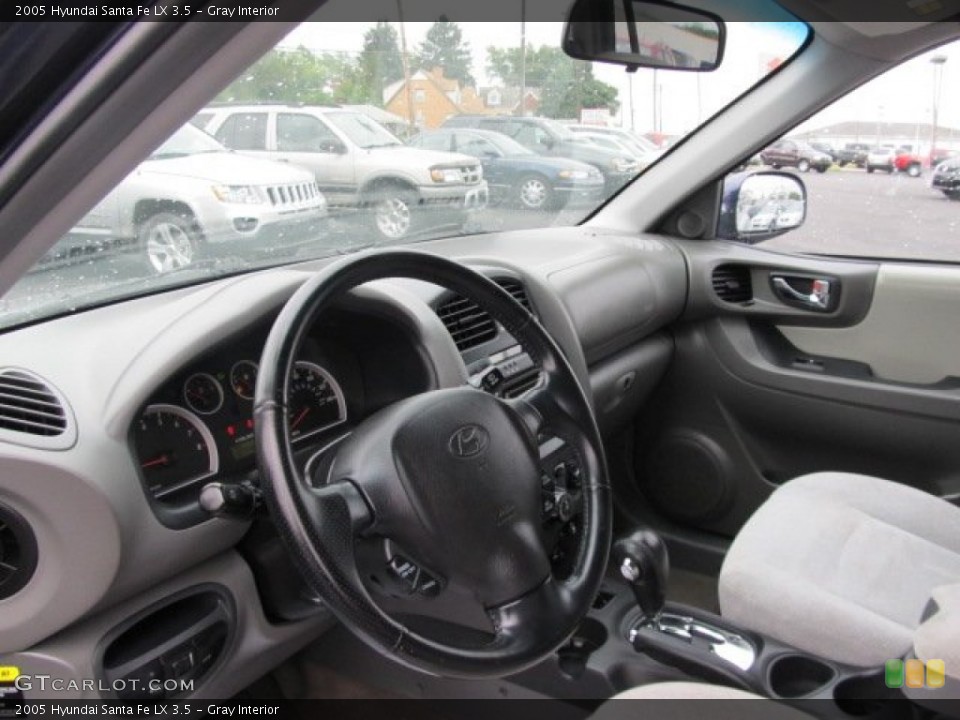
155 394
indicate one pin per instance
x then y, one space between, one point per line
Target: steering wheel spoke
541 615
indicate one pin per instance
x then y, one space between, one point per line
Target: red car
906 161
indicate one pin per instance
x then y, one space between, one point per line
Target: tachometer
243 378
203 393
314 401
174 448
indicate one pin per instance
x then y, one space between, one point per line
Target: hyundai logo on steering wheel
469 441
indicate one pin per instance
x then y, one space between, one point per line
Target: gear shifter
643 562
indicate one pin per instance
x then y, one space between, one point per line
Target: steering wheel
452 476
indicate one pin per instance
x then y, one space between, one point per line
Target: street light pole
523 58
937 61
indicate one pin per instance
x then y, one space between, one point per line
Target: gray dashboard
102 549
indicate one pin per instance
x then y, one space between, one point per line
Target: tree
380 61
445 47
298 76
566 85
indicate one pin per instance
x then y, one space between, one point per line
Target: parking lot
849 213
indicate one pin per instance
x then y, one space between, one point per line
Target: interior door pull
815 295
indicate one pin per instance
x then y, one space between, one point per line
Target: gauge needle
300 417
162 460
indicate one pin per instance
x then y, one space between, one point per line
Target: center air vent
519 292
18 552
732 283
471 326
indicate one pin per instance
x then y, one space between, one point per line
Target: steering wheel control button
428 586
565 507
548 504
405 573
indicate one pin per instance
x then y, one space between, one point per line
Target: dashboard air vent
467 324
18 552
28 405
732 283
519 292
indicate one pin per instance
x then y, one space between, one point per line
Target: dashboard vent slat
30 406
518 291
732 283
468 324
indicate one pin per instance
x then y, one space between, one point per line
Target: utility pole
406 68
523 57
937 61
655 100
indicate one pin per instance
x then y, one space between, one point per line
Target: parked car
853 154
881 158
358 164
616 145
191 195
906 161
641 146
946 178
825 148
548 137
518 175
793 153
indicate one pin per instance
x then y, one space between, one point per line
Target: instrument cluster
200 425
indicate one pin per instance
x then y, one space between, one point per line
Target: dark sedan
517 175
946 178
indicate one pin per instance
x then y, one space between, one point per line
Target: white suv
357 163
193 197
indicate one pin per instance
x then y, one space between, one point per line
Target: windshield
303 178
188 140
363 131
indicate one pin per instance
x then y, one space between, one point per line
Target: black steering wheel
452 476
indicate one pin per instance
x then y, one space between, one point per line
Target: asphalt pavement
849 212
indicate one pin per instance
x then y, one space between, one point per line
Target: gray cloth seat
690 701
841 565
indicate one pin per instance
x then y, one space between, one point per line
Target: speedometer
314 401
174 448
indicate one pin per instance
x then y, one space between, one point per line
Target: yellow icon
936 673
9 673
914 673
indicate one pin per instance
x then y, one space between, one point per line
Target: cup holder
797 676
573 656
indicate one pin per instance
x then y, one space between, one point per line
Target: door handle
815 294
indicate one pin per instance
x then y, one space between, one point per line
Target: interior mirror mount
761 205
645 34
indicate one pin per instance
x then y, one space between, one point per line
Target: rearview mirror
641 33
761 205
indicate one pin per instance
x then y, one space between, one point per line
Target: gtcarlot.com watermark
12 678
26 683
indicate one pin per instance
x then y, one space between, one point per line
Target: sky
687 99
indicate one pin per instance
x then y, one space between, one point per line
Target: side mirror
645 33
759 206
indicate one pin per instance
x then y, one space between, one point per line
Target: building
434 98
916 136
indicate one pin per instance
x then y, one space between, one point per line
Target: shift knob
643 562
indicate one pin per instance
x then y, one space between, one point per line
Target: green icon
893 673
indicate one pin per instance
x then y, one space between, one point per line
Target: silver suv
357 163
193 194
